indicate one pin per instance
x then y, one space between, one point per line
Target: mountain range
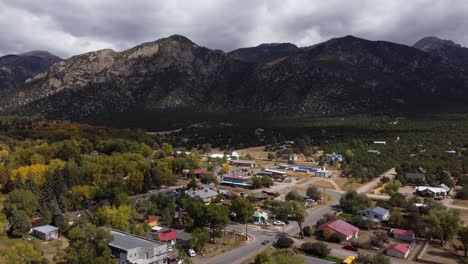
341 76
15 69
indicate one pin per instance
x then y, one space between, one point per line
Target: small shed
398 250
46 232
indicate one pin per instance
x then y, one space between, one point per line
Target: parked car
350 247
266 242
191 253
279 223
439 198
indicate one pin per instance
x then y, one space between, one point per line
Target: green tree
22 200
167 148
88 244
318 249
200 236
313 192
351 202
294 196
218 217
298 214
20 223
369 259
271 156
463 236
242 208
396 219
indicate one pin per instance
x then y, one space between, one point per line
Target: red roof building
343 229
399 250
167 234
401 234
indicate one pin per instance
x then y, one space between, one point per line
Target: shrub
284 242
335 238
308 232
318 249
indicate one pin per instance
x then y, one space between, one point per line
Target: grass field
5 244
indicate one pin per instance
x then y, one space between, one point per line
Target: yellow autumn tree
23 252
115 217
79 193
36 172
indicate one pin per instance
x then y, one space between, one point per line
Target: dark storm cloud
70 27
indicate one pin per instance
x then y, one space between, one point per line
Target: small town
233 132
243 206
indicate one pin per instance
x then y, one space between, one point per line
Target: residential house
46 232
431 191
322 172
398 250
376 214
292 156
401 234
167 235
446 188
260 217
205 194
131 249
244 163
415 177
341 228
235 180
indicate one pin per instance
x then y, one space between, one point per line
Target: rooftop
340 226
380 210
45 229
127 241
203 193
402 232
403 248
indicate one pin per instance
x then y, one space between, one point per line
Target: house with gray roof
205 194
376 214
131 249
46 232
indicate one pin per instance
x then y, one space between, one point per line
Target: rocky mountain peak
446 49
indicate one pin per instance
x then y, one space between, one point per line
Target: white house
322 172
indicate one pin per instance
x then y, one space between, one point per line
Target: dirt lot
223 244
53 247
347 183
323 184
436 254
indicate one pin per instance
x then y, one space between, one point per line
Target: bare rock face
340 76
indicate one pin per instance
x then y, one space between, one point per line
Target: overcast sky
68 27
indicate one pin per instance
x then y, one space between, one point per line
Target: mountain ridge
446 49
340 76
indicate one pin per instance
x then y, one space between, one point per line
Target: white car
279 223
192 253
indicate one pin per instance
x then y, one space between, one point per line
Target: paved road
258 235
